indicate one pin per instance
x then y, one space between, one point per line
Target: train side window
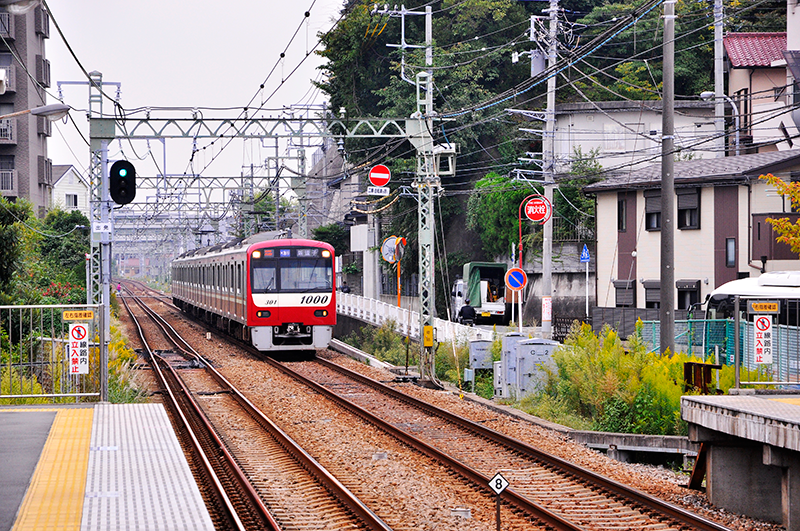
238 279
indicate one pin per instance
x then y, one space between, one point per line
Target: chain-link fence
50 353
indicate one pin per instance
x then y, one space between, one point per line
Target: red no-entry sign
538 209
379 175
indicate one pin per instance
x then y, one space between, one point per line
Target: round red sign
538 209
379 175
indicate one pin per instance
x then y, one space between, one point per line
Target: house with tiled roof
757 84
721 232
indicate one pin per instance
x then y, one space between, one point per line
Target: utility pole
719 82
667 288
548 167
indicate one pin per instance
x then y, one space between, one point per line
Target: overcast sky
197 53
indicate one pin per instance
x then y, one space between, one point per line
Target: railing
406 321
41 362
7 130
7 181
566 231
5 25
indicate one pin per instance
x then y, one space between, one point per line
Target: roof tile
754 49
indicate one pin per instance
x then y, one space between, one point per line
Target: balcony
764 239
7 131
6 26
11 82
8 182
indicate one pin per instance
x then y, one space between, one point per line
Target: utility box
480 355
509 361
499 381
532 354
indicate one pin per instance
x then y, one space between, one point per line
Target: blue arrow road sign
584 254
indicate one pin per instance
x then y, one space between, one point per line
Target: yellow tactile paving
793 401
55 497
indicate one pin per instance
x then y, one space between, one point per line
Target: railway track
258 465
541 484
545 491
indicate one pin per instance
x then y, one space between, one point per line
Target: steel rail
481 481
333 485
219 490
652 503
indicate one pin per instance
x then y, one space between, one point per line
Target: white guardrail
406 321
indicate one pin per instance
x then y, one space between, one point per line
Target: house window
622 213
688 293
625 293
730 252
72 200
7 172
688 208
652 209
652 293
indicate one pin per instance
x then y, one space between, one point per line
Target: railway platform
92 467
751 447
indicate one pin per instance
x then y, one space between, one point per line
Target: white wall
71 183
615 135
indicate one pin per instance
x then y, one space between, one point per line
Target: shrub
614 385
384 343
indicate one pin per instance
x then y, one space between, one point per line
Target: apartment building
25 170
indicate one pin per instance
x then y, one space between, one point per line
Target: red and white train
278 294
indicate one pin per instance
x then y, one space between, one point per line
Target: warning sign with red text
762 339
78 348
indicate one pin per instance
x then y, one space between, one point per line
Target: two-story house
721 233
759 92
70 190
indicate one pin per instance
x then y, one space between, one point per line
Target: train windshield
306 274
298 270
264 276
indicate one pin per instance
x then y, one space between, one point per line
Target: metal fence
708 338
50 353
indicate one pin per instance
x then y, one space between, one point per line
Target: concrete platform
107 466
752 444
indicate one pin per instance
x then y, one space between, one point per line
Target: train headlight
326 254
256 254
263 313
321 313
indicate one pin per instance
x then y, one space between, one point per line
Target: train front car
292 302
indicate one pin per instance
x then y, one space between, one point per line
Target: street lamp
708 95
53 112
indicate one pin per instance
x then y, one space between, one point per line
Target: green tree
493 212
334 234
66 241
12 216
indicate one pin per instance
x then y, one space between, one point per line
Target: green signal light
123 172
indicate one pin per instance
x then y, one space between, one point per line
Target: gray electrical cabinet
532 354
509 363
499 382
480 354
